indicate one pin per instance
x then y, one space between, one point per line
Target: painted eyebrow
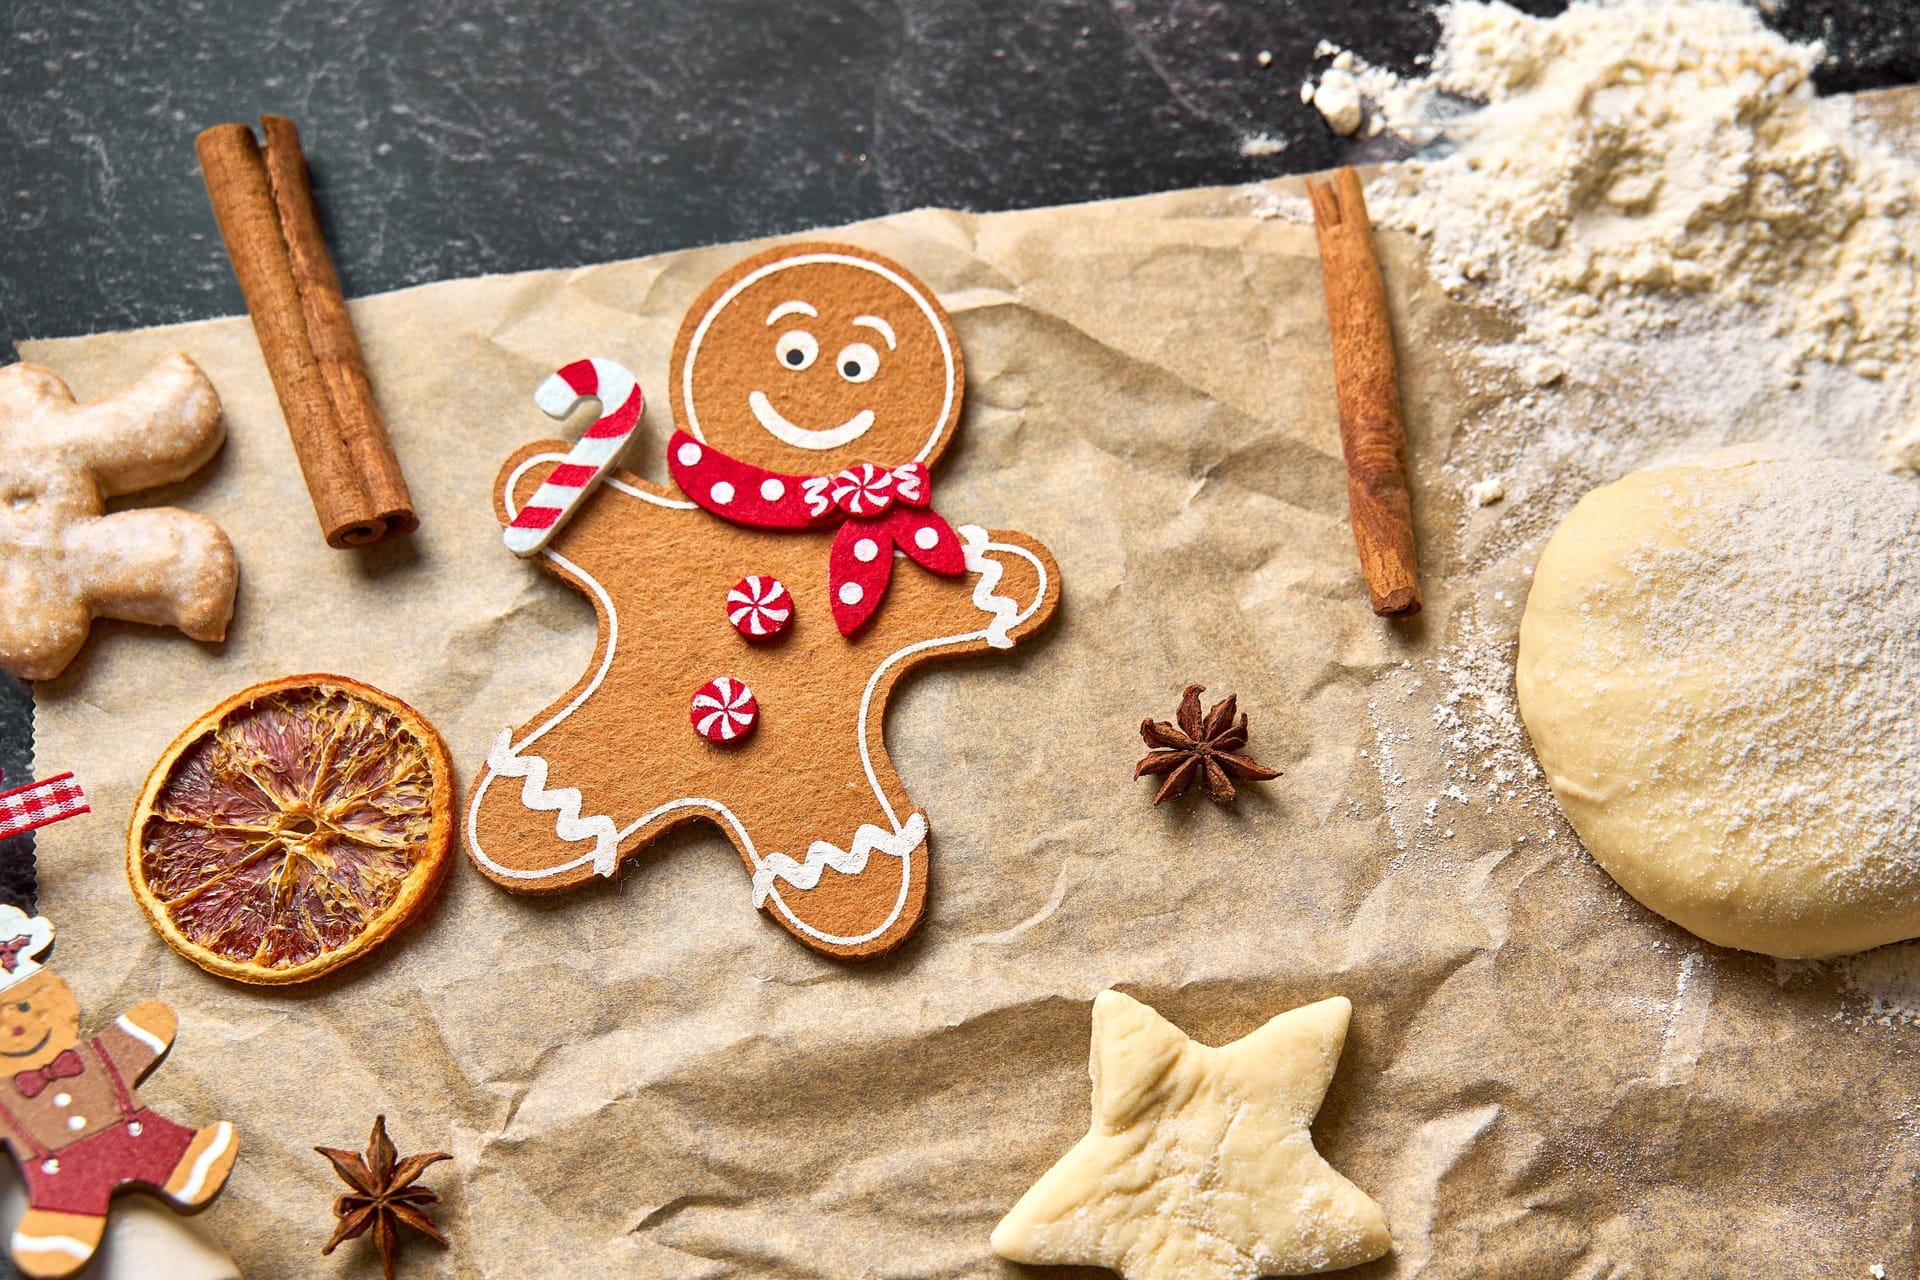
875 322
794 308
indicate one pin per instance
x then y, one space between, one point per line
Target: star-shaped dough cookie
1199 1165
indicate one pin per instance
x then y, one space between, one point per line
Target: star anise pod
383 1195
1196 747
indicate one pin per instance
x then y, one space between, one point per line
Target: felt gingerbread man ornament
756 615
63 560
70 1115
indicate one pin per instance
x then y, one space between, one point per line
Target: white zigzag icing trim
1005 612
563 802
822 854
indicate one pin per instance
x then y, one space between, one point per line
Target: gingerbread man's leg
48 1245
203 1168
841 861
838 872
166 567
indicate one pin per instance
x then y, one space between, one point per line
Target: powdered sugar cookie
63 560
755 616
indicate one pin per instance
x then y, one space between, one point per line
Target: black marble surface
455 137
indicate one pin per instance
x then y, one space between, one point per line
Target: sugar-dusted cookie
63 560
71 1117
1199 1164
755 616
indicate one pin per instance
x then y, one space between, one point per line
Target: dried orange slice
292 829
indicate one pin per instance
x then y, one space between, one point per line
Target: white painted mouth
800 437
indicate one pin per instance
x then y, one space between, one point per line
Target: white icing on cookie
868 840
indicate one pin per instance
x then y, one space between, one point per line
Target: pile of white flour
1682 247
1641 168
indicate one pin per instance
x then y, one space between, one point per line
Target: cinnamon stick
1368 390
264 204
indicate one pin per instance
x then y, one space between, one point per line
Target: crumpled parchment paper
647 1078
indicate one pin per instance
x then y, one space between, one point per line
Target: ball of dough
1720 669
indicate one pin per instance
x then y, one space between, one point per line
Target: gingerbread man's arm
161 429
139 1038
1009 591
621 497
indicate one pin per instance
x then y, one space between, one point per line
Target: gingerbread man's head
39 1018
811 358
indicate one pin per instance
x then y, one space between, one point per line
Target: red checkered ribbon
39 803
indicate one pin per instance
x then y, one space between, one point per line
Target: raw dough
1718 667
1199 1165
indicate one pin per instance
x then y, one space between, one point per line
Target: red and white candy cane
39 803
553 503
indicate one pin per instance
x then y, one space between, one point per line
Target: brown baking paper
648 1078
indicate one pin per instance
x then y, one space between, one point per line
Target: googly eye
796 349
858 363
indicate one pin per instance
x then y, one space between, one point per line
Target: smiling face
38 1019
813 357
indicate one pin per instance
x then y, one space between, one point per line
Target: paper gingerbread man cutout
63 560
69 1113
755 617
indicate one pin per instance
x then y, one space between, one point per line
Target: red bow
877 508
31 1083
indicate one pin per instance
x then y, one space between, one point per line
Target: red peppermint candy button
865 490
759 607
724 710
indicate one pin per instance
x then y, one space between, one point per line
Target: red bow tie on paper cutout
39 803
10 953
877 508
66 1065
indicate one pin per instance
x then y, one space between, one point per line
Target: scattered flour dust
1677 246
1644 169
1887 980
